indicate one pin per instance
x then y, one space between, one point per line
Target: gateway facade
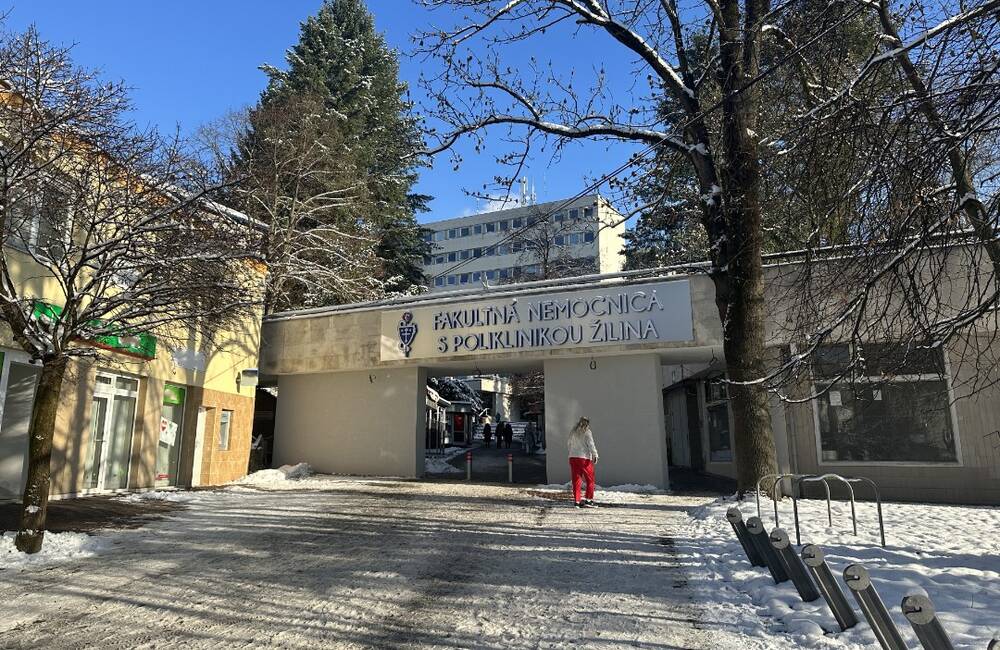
640 355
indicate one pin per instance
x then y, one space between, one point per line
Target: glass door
111 428
171 428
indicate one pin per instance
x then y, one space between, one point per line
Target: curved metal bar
757 493
778 479
878 503
829 508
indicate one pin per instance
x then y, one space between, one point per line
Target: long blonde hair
582 425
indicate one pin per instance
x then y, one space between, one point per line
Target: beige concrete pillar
621 395
368 422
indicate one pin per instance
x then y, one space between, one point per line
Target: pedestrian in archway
582 456
508 434
488 434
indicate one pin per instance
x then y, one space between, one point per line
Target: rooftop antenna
524 190
534 195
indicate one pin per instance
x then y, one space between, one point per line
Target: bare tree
920 266
474 93
116 222
545 245
289 167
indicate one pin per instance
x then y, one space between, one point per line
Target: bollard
735 518
919 611
815 561
510 468
468 466
860 582
793 566
755 528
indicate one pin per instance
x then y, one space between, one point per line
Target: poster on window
168 432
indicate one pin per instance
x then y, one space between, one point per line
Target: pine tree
341 58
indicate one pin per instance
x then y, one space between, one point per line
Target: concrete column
621 395
368 422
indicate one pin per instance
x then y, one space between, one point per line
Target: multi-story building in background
538 241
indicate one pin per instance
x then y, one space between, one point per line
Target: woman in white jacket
582 456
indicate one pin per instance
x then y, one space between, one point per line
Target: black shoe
579 504
588 503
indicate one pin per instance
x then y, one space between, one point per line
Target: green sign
173 395
140 344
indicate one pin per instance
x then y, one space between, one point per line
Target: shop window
894 408
225 424
720 440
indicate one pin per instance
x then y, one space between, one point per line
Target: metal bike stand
815 561
860 582
793 566
735 518
919 611
755 527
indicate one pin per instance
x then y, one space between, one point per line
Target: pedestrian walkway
341 563
489 465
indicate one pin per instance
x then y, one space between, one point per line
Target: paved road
370 564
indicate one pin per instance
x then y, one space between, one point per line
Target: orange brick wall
221 466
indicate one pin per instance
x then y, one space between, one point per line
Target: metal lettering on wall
649 313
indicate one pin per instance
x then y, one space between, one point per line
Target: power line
650 148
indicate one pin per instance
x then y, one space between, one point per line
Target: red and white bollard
510 468
468 466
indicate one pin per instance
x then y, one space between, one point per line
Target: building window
439 259
478 229
476 276
453 256
491 227
440 235
225 422
588 213
464 278
557 217
465 231
39 223
588 237
720 444
427 260
451 279
560 240
504 225
517 247
503 274
896 409
574 214
465 254
439 281
518 222
490 275
491 251
477 252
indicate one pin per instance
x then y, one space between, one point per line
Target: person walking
499 433
508 435
487 434
582 456
529 439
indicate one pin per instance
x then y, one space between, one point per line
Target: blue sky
191 61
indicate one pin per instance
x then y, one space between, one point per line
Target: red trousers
582 469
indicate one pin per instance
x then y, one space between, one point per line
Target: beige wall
622 397
361 423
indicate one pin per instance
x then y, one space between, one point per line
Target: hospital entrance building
640 354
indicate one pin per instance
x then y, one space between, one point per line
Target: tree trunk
43 424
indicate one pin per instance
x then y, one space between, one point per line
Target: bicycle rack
797 481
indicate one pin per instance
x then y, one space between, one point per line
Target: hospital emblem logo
407 332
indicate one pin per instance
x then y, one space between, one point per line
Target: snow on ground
435 463
949 553
614 494
57 547
350 563
280 475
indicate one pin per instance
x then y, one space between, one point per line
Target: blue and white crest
407 332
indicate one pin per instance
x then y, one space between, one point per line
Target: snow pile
625 493
438 464
948 553
282 474
174 496
57 547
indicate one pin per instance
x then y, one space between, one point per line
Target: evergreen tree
341 58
